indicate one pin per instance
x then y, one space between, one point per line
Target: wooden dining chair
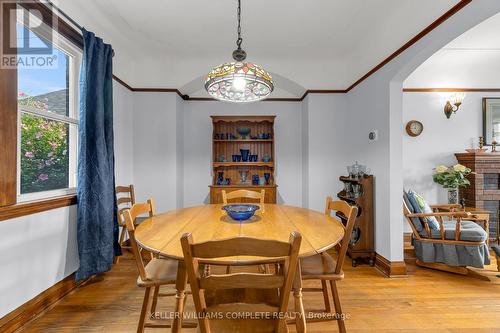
156 273
208 288
325 268
125 198
246 194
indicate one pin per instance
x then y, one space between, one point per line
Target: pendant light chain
239 81
239 40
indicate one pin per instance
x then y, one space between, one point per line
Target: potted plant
451 178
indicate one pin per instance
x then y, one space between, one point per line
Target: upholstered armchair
447 240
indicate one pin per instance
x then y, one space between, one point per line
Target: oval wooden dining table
161 235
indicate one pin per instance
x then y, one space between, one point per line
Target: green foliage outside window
44 151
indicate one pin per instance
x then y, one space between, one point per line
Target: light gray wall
327 146
440 139
36 252
155 148
180 152
377 103
46 243
39 250
123 106
197 146
305 151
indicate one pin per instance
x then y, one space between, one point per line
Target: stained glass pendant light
239 81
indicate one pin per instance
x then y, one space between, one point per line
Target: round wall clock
414 128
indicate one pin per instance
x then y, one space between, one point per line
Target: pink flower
29 154
21 94
43 177
54 145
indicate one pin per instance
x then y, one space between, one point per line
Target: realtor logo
27 36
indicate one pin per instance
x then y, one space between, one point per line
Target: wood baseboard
390 268
407 237
39 304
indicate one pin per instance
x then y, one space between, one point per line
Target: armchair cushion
415 220
421 206
469 231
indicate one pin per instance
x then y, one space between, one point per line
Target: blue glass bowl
243 131
240 212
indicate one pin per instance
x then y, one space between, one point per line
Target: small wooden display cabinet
232 169
359 191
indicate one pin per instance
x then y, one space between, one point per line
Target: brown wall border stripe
44 301
28 208
456 8
451 90
390 268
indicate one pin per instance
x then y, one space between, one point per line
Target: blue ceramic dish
243 131
240 212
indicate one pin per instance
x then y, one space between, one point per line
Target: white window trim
75 60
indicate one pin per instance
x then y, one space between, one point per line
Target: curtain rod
67 17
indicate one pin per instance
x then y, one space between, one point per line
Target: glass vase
453 195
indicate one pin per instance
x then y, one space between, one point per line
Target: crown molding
455 9
434 90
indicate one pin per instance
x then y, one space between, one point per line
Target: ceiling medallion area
239 81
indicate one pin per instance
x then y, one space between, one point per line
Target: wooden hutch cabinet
359 192
231 170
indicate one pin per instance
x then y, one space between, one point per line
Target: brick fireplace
484 191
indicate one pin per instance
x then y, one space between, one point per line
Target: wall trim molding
455 9
434 90
32 207
390 268
407 237
39 304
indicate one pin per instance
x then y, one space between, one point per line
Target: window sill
32 207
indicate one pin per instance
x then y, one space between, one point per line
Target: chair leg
338 308
326 298
142 318
155 299
122 236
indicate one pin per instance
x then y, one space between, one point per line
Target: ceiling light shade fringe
239 81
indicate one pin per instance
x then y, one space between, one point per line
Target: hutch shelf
228 143
359 192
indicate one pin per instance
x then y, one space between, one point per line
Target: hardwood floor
425 301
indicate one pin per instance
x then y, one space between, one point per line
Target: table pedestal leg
180 286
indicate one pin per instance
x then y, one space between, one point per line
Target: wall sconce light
453 103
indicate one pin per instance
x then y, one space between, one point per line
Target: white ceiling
306 44
472 60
